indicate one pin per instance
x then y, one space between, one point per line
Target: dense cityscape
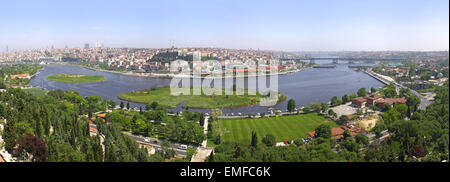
219 89
364 116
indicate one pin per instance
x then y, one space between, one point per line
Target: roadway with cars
424 102
156 143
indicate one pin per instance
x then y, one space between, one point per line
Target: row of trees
55 128
156 123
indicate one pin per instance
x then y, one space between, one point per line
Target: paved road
156 143
203 151
424 102
205 131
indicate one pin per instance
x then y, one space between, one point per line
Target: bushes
269 140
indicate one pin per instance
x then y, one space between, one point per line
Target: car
183 147
286 143
147 140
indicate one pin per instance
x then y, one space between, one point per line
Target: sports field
283 128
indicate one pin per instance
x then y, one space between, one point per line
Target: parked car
147 140
183 147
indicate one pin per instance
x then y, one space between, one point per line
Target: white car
183 147
147 140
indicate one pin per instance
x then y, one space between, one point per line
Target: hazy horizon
299 26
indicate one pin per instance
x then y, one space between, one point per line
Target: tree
390 91
390 116
385 107
139 127
413 102
347 134
201 119
31 146
402 109
362 92
323 130
269 140
291 105
362 139
324 107
167 150
345 98
332 113
121 105
254 139
404 92
263 114
216 112
335 101
128 106
306 109
315 107
350 144
378 129
154 105
352 96
218 139
343 119
373 90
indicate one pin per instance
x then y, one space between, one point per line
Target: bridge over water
337 59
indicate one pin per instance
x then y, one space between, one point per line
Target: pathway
203 151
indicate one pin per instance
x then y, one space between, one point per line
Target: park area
163 96
283 128
71 78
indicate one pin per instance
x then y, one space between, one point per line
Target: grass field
163 96
283 128
70 78
36 91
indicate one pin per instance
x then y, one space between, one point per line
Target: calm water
305 87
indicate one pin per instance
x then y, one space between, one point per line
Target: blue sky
322 25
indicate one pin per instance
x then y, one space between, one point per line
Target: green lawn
36 91
70 78
163 96
283 128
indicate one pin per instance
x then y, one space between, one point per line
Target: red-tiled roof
391 101
103 115
373 96
337 131
359 99
20 75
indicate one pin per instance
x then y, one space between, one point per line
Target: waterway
305 87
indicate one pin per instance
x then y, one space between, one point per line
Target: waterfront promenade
424 102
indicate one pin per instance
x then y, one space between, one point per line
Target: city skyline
265 25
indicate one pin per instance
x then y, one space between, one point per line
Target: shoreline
281 98
159 75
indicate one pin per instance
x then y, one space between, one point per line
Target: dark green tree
291 105
269 140
254 139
